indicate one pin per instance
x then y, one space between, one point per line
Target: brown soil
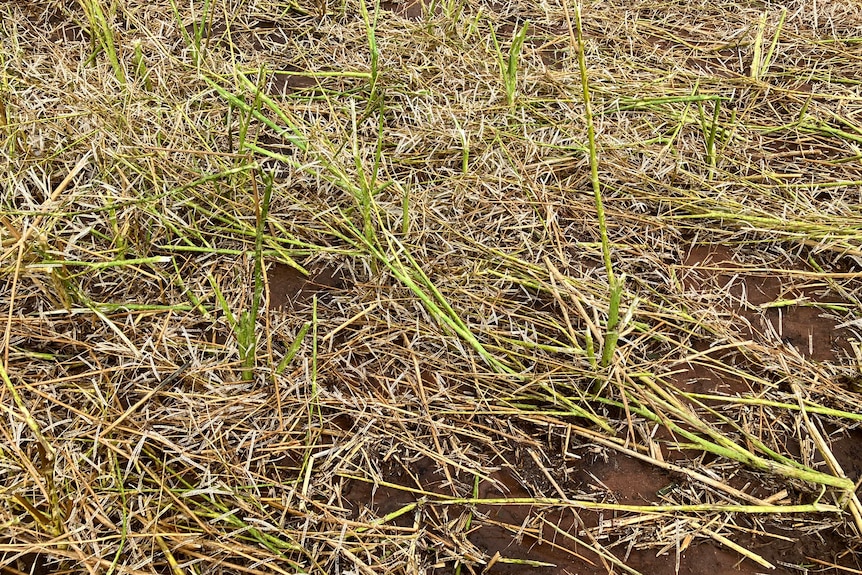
559 543
555 542
560 540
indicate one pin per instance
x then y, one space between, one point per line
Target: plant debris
355 287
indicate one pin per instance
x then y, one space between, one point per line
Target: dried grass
453 357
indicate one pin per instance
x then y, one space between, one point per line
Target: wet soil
765 308
289 287
558 543
514 538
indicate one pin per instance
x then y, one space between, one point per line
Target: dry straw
526 244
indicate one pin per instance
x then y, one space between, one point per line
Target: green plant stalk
615 287
332 172
433 498
231 319
821 127
710 140
512 68
119 238
625 103
473 25
293 349
103 308
378 147
249 111
414 278
6 120
612 332
663 398
220 512
454 11
291 133
365 196
465 146
767 61
509 65
553 347
727 134
200 27
314 411
82 298
179 20
722 446
195 300
405 211
274 253
575 409
758 47
594 164
248 345
754 441
102 31
283 236
445 308
141 71
90 266
370 26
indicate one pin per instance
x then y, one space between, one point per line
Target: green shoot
509 63
615 286
370 26
102 33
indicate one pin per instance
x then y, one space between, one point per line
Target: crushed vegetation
463 287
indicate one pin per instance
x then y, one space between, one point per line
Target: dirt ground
532 533
368 435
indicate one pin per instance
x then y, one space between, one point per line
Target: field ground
445 288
